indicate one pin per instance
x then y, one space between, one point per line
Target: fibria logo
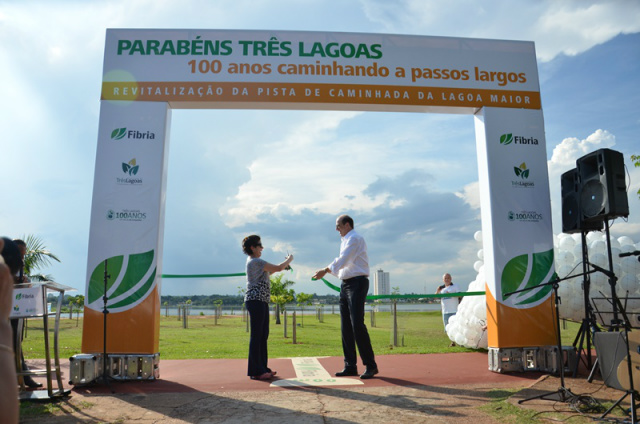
120 133
506 139
131 168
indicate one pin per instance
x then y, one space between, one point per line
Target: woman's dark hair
12 256
249 242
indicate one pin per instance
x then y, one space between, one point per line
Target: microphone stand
105 311
562 394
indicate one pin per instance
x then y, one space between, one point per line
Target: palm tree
281 294
303 299
79 300
37 256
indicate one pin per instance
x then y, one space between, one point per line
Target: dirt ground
447 388
409 404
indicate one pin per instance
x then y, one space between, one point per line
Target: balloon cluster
568 261
468 327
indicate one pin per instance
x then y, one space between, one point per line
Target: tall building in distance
381 283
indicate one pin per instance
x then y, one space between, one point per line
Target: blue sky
411 179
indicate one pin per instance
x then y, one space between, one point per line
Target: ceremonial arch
149 72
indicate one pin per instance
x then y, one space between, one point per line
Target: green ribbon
239 274
408 296
336 288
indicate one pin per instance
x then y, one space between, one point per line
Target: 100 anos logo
525 216
126 215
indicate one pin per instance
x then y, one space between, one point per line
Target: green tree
281 294
37 257
636 162
79 300
303 299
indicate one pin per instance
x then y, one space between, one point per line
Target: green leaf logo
521 171
506 139
130 168
527 273
118 133
131 280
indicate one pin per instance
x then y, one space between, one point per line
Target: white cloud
557 27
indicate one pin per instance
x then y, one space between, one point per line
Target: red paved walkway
212 375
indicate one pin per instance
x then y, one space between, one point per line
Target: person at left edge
21 278
257 300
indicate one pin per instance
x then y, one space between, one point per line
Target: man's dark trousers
353 293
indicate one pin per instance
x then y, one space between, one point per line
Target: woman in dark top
257 300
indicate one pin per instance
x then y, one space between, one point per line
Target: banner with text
127 221
516 227
318 70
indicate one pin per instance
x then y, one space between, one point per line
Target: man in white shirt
352 267
449 304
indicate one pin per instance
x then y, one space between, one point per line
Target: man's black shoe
369 373
347 372
31 383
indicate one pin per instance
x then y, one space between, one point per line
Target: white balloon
599 259
477 236
566 243
577 251
629 283
633 305
630 265
593 236
481 254
614 243
568 258
625 241
617 269
480 311
599 283
477 265
597 246
564 270
626 248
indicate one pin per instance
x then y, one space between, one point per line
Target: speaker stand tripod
625 324
588 325
563 394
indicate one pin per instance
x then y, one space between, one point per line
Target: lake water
311 310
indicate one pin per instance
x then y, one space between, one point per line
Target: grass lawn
418 332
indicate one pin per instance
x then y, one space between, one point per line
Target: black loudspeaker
572 221
611 349
603 190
